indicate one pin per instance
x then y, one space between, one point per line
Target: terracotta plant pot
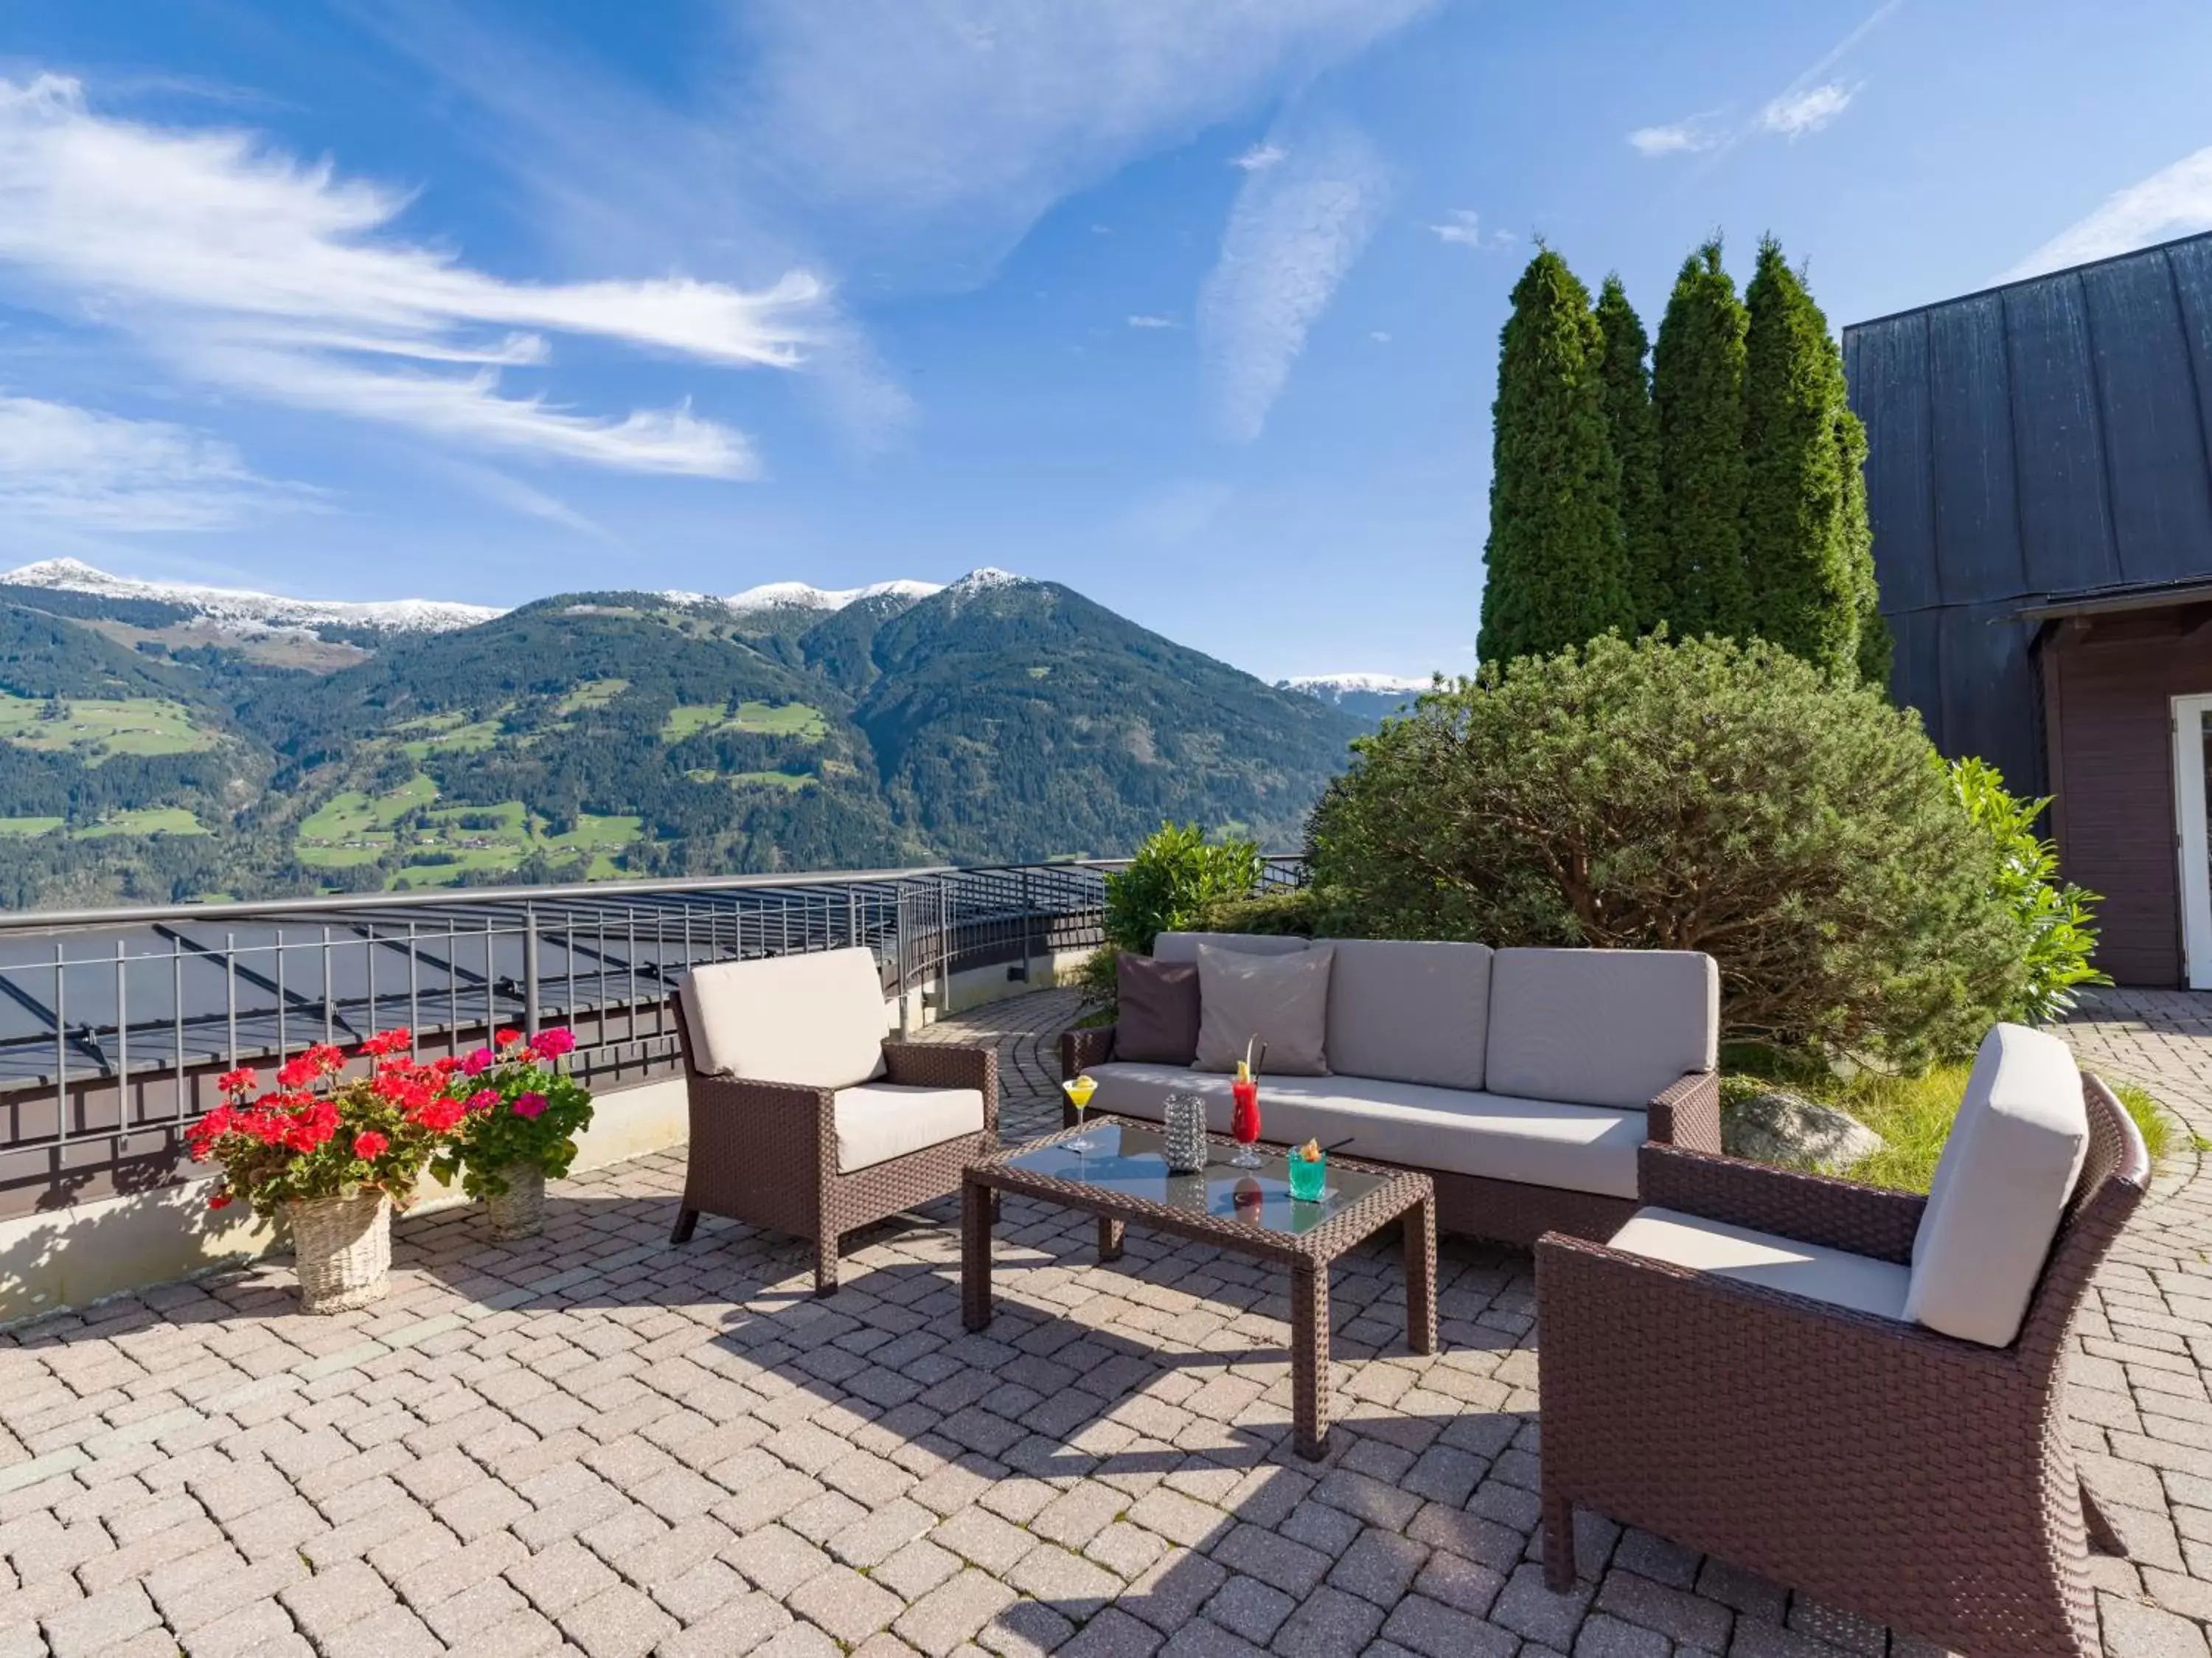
343 1247
519 1211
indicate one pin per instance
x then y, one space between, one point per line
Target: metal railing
113 1023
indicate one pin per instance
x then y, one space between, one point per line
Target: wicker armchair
766 1153
1912 1477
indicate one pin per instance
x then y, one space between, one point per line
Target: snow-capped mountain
1369 696
797 595
1326 685
241 608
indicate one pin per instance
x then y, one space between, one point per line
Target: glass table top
1130 1160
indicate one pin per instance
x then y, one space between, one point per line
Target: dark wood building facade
2039 478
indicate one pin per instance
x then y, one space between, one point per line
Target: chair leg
1559 1544
825 1267
687 1222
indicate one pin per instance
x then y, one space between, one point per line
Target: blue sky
1191 304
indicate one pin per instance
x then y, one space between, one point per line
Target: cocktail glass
1244 1122
1078 1090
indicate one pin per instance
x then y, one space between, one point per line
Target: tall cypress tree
1697 391
1805 595
1633 427
1858 535
1556 573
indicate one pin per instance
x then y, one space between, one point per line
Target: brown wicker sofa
1522 1081
804 1118
1759 1367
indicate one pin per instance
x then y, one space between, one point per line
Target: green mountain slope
600 735
1019 720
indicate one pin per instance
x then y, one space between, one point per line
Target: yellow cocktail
1078 1090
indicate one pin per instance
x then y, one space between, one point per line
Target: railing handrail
34 921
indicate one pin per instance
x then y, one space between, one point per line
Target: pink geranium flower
529 1105
479 1062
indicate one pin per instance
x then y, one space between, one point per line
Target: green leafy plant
1174 874
1175 879
521 1111
2058 915
1700 795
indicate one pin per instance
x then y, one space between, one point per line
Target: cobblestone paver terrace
595 1442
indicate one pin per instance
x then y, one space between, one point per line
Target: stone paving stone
685 1448
952 1612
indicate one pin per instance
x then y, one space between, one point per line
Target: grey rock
1777 1126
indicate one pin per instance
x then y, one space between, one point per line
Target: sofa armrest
944 1065
1080 1050
1814 1208
1687 1112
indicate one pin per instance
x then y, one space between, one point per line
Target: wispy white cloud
1142 321
1794 114
1379 336
1259 158
2174 201
1676 138
1811 101
1295 232
1461 227
248 268
78 466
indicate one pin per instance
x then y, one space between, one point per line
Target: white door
2192 735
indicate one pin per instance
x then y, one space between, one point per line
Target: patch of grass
453 733
351 815
593 833
1914 1114
791 780
143 820
25 828
99 730
593 693
768 719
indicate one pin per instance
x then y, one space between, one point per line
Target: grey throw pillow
1157 1022
1283 1000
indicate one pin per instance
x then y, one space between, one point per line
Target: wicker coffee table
1124 1177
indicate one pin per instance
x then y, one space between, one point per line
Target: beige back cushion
1408 1011
1183 946
815 1020
2001 1188
1600 1028
1282 999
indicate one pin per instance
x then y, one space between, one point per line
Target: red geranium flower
505 1038
370 1143
244 1080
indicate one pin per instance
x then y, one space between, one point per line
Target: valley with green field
599 736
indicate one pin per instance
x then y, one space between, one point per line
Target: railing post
898 948
530 971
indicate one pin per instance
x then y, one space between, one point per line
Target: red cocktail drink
1244 1122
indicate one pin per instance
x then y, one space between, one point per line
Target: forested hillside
150 753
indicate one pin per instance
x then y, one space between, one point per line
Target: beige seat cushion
1409 1011
1762 1259
879 1121
2000 1187
1600 1028
1537 1142
1183 946
815 1020
1282 1002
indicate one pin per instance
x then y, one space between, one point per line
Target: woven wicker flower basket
519 1211
343 1245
